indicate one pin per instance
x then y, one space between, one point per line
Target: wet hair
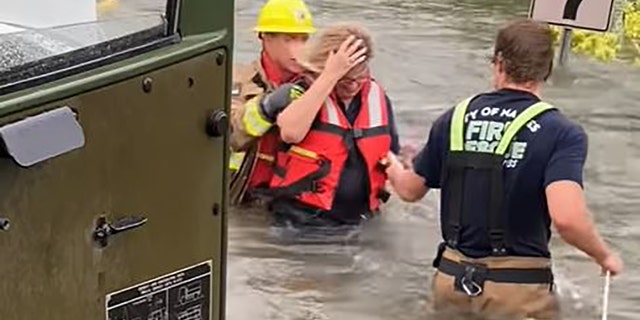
317 50
525 48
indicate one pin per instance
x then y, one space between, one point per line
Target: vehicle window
45 39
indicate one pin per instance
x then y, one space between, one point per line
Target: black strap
350 135
454 171
279 171
307 183
457 166
502 275
349 132
371 132
328 128
497 224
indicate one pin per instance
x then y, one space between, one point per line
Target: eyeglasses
346 80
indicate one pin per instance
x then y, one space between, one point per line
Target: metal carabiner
471 288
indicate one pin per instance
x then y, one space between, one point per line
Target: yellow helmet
285 16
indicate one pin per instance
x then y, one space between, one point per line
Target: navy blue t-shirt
549 148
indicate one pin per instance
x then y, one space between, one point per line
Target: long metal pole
565 46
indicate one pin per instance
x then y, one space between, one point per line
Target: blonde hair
317 50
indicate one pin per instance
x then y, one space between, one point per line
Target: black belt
504 275
470 277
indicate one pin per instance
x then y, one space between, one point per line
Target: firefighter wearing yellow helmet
283 27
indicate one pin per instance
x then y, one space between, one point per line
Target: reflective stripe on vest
375 110
458 120
253 121
304 152
333 112
266 157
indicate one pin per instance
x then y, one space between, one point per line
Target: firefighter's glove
273 103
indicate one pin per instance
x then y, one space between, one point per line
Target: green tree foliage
607 46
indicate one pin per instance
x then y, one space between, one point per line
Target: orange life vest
310 170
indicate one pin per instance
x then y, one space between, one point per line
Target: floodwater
429 55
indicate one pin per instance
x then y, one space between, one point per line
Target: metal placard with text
181 295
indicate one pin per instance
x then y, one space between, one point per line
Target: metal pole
565 46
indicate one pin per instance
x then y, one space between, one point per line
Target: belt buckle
471 288
472 281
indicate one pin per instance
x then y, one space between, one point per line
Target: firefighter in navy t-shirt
508 165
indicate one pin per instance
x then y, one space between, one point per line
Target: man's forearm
295 121
583 235
570 216
407 184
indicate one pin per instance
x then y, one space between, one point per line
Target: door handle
5 224
105 229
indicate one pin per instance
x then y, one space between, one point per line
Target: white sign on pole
582 14
47 13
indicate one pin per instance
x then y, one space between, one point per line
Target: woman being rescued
336 124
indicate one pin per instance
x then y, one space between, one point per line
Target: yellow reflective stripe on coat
235 161
254 124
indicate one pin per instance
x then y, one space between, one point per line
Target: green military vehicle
112 160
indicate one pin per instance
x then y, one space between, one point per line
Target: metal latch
105 229
5 224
